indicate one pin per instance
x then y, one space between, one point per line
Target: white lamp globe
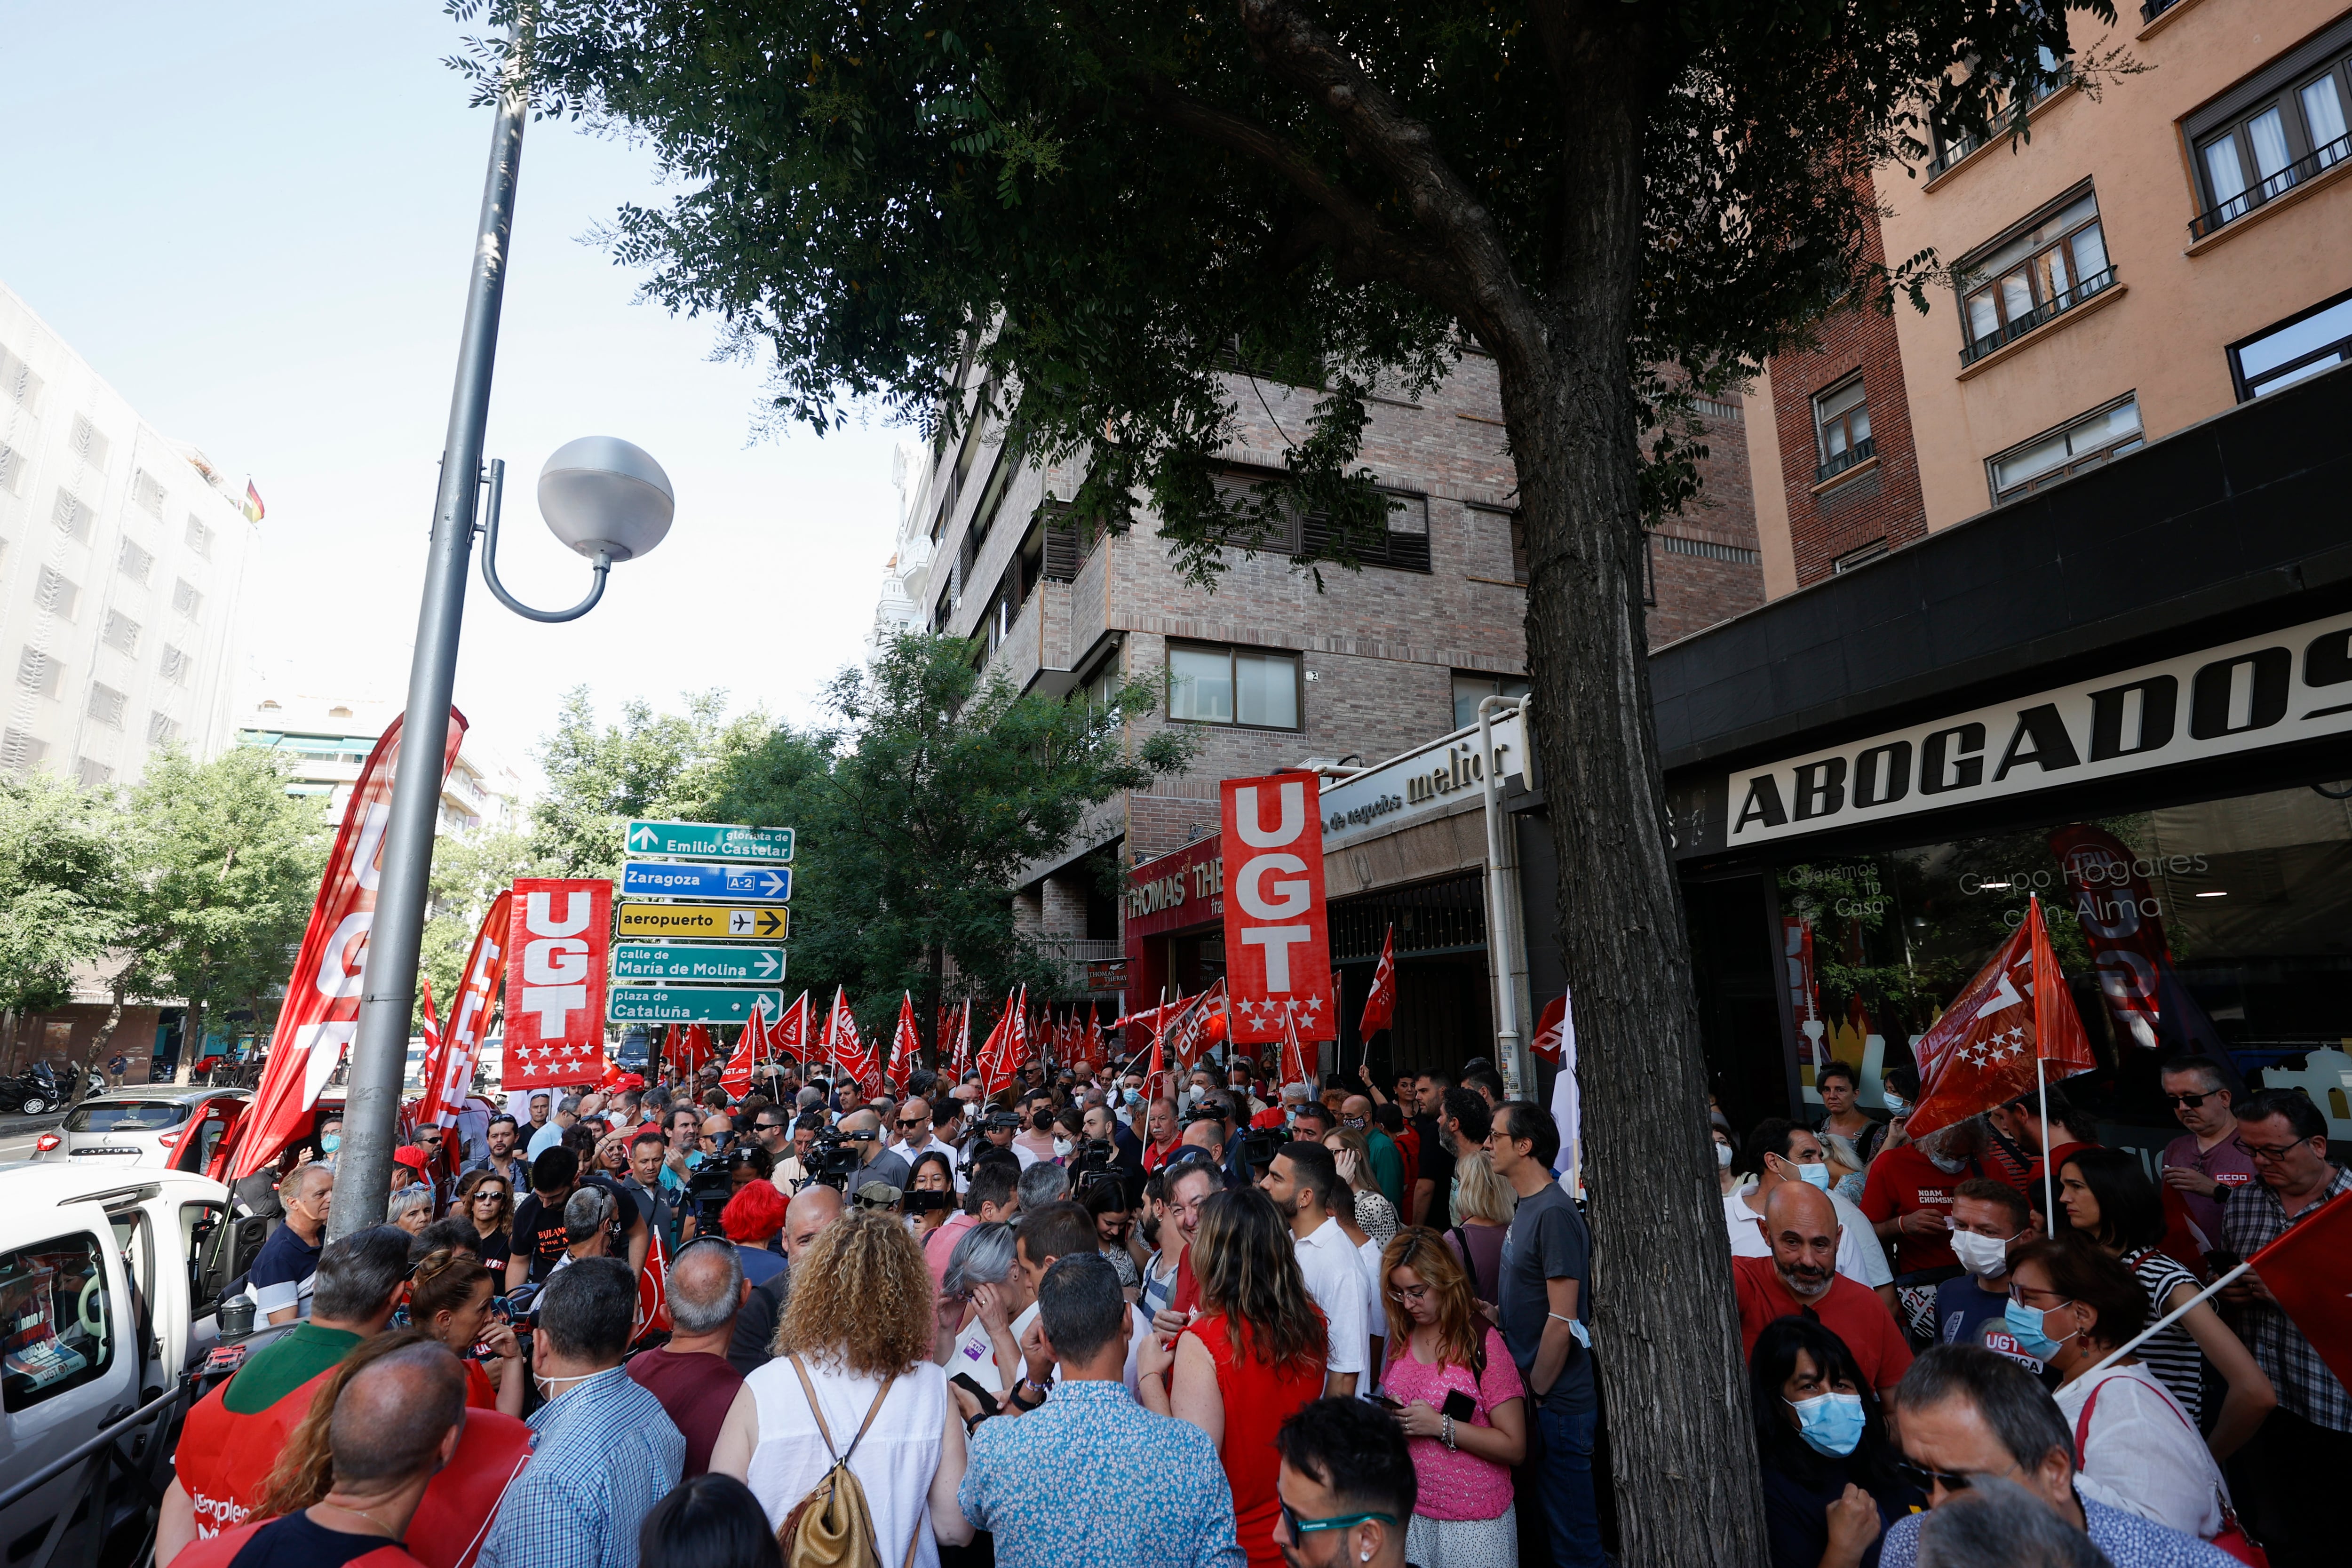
601 493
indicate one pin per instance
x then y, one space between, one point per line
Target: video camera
831 1159
706 1192
1091 1164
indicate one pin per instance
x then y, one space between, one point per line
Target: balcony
1954 148
2040 316
2206 224
1862 451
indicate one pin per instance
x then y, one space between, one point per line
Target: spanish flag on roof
253 510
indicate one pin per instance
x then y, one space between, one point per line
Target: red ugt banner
559 940
449 1076
1277 950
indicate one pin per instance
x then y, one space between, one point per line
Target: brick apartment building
1267 670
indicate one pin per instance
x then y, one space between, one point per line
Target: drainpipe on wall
1507 947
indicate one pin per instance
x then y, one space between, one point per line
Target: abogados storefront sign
2248 696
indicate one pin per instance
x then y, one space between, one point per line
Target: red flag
671 1048
1551 1032
321 1010
1155 1083
1379 1007
737 1078
788 1036
653 1289
1097 1056
903 1049
959 1062
558 931
1199 1026
843 1049
1293 1065
998 1063
483 982
2309 1269
1981 1052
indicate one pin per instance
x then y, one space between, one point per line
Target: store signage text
1423 782
2264 691
1201 880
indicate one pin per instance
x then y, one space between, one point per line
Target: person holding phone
1451 1381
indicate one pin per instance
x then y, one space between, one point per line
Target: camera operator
794 1170
863 1128
1214 1117
998 1127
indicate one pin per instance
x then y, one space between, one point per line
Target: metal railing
1862 451
1955 146
2325 156
2150 10
2041 315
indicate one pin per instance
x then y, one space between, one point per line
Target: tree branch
1406 151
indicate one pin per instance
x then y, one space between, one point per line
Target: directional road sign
712 963
770 925
677 879
689 1003
711 841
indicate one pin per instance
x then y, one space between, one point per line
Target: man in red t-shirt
1908 1197
1160 1133
1800 1278
396 1424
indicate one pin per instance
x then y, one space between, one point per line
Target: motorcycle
32 1092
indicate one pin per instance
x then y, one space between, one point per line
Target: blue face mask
1894 1102
331 1142
1817 1175
1830 1423
2024 1324
1134 1097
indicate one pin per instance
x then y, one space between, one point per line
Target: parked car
109 1279
145 1127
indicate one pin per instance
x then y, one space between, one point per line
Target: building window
1842 429
19 753
2080 443
12 469
2304 344
18 384
93 775
2294 127
88 445
56 595
121 633
2031 277
174 667
147 493
134 561
185 600
1233 686
72 515
1473 687
106 705
1861 556
1953 144
200 538
161 730
38 672
1276 529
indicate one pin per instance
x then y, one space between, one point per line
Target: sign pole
1503 959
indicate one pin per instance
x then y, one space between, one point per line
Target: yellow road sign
723 921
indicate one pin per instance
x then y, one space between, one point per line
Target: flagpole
2168 1319
2049 1180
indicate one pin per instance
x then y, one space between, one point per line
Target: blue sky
253 219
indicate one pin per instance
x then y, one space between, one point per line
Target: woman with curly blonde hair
854 1354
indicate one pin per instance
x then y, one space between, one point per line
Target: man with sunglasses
1347 1486
1964 1413
918 1137
2209 1156
2291 1476
862 1130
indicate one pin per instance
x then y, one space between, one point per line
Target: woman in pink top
1441 1348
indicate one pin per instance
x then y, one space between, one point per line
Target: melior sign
1277 953
557 949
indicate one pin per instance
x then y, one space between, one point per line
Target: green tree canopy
62 882
648 764
227 867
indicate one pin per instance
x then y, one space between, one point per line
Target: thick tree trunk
1667 1325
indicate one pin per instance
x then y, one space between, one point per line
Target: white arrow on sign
775 885
767 965
645 838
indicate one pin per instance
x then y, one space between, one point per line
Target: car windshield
127 1116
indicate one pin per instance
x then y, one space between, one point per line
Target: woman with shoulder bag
849 1431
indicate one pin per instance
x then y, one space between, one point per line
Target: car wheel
34 1105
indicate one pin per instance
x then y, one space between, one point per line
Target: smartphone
1386 1403
971 1385
1459 1405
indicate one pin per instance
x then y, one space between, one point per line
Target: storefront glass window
2222 927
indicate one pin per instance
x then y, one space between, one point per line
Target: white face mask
1062 1147
1985 1257
1723 1156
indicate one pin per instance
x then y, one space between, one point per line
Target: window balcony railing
2041 315
2151 9
1862 451
1956 145
2323 157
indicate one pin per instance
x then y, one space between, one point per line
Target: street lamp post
604 499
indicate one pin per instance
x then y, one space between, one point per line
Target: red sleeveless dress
1258 1397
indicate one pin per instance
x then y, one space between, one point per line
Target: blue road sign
676 880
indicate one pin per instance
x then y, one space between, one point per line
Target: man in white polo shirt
1783 1151
1299 1180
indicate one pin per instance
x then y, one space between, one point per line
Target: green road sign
712 963
710 841
689 1003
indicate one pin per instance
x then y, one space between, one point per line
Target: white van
104 1273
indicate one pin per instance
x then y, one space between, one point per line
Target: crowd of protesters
1245 1323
